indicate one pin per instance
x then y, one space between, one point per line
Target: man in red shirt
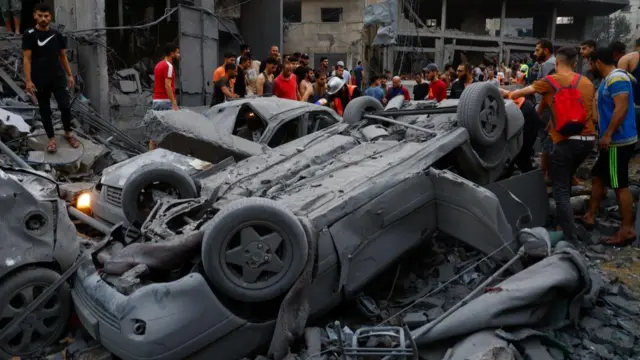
164 87
437 87
285 86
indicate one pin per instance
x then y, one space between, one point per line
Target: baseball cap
304 56
340 63
431 67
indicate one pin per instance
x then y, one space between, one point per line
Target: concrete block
620 342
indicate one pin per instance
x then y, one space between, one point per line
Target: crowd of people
572 111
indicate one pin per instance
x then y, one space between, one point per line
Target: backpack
568 107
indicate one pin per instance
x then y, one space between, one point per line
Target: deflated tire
357 107
150 183
254 250
481 111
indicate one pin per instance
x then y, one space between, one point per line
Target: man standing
229 58
45 65
465 78
306 86
164 86
491 76
618 135
340 94
319 88
586 48
544 56
222 87
11 9
569 96
285 86
240 85
437 87
264 83
397 89
374 90
629 63
619 50
421 89
303 68
324 66
244 50
342 73
358 74
274 53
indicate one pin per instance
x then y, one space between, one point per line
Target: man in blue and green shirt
618 135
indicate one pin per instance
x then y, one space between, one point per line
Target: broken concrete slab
590 324
13 124
629 307
15 87
600 350
415 319
621 343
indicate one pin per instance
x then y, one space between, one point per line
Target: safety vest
337 102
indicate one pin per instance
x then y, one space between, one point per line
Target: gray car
290 233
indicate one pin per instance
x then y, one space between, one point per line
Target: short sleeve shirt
164 70
45 49
617 83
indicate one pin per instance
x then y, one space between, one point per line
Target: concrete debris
13 124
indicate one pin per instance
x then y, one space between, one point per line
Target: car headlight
84 201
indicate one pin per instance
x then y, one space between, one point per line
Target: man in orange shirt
229 58
568 151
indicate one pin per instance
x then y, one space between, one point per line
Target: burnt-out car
233 130
38 244
301 228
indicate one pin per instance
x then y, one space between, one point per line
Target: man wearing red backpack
569 96
618 136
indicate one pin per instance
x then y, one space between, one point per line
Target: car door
318 120
286 131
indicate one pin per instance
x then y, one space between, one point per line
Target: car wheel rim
152 194
489 116
255 256
39 326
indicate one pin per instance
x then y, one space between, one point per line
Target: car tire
251 237
482 112
148 174
357 107
50 320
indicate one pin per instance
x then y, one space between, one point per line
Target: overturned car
292 232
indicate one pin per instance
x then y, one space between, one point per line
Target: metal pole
14 157
381 118
79 215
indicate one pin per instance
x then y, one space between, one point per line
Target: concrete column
503 15
552 26
443 28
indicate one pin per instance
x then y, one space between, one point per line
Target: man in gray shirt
544 56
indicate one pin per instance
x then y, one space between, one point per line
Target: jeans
161 105
564 160
10 8
58 87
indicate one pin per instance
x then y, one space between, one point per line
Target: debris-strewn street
400 193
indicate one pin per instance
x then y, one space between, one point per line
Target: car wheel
254 250
150 183
45 325
481 111
357 107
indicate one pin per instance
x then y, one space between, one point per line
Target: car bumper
103 205
160 321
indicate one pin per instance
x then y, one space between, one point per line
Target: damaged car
288 234
227 132
38 245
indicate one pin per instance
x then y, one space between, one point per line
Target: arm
62 55
308 91
260 85
596 113
529 90
621 102
227 92
170 94
407 97
624 63
65 62
27 72
298 93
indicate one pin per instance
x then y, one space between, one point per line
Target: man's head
464 71
491 72
287 67
230 70
587 47
387 74
340 69
324 62
431 72
566 58
397 82
418 78
544 50
304 59
619 49
229 58
375 81
42 14
244 48
245 62
272 64
603 60
308 73
383 81
321 78
275 51
171 51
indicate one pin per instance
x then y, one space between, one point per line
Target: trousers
58 88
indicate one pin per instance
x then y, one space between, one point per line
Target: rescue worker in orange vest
340 93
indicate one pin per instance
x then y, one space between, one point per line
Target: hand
31 88
605 142
175 107
71 83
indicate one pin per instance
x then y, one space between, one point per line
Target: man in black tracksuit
45 65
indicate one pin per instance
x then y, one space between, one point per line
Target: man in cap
301 71
341 72
340 93
437 87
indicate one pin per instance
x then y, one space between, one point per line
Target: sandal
616 241
73 141
588 226
52 147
